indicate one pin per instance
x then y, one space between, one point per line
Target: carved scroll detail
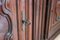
5 12
4 7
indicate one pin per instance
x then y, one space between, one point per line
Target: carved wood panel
54 19
8 21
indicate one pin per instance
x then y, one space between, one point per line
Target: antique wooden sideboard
29 19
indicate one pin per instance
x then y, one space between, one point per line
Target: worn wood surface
29 20
25 8
53 20
8 20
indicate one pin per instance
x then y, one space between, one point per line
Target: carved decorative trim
4 13
50 34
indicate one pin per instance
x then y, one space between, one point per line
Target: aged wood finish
8 21
53 20
25 19
29 19
39 19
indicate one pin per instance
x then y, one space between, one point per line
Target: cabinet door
53 19
8 21
25 19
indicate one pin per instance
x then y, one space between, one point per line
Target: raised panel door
8 21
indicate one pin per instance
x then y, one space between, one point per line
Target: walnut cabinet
29 19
